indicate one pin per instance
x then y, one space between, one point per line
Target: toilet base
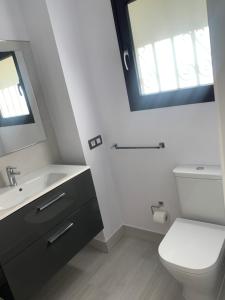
190 294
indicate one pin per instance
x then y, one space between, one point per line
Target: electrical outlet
95 142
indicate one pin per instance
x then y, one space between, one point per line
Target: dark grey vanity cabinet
37 240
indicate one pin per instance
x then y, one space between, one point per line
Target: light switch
99 141
95 142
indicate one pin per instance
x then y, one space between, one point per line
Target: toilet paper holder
156 207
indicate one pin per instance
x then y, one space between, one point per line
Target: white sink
18 194
34 185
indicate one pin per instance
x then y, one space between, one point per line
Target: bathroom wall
83 99
12 27
60 31
52 80
216 12
190 132
84 33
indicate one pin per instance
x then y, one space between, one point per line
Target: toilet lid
192 246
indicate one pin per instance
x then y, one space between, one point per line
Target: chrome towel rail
160 146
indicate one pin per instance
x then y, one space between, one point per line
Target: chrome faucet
11 173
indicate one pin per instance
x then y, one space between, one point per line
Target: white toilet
193 249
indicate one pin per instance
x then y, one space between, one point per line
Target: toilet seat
192 247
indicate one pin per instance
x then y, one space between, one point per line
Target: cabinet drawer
31 222
28 271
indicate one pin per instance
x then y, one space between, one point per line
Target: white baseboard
99 245
142 234
126 230
106 246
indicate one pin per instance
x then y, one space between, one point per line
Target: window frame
199 94
18 120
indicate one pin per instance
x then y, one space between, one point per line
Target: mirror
20 121
14 104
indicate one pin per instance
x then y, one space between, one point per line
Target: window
14 105
165 50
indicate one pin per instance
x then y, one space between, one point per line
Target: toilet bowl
193 252
193 249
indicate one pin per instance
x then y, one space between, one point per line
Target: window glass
12 99
149 81
171 44
203 53
165 57
185 61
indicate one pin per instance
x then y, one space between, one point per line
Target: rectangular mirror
20 121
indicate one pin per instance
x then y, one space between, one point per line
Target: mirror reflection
20 121
14 106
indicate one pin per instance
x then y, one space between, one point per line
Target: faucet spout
12 172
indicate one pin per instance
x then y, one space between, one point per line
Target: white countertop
35 185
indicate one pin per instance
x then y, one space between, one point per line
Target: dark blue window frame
200 94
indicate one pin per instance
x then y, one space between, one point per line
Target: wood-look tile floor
131 271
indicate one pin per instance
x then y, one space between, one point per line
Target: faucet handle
10 169
11 173
16 172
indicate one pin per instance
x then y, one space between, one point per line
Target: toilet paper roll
160 216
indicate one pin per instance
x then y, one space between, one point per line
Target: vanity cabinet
38 239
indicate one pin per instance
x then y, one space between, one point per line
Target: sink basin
10 199
34 185
18 194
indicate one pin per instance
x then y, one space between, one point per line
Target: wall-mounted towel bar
160 146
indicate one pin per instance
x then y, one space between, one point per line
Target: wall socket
95 142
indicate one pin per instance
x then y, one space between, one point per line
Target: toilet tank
200 193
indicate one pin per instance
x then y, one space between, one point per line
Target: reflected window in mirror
165 51
14 105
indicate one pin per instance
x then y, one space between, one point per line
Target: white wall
216 12
52 80
66 26
70 100
85 36
12 27
190 132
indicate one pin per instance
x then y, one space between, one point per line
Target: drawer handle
60 233
43 207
